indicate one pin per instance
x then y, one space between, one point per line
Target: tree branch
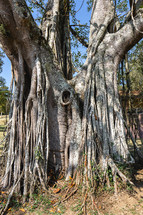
102 16
17 18
79 38
18 28
38 4
129 35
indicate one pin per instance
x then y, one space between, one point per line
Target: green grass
41 203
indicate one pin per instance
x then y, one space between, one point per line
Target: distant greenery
136 67
133 78
1 60
4 96
4 91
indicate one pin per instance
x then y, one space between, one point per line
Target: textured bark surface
56 122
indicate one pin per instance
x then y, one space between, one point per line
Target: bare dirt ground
64 198
126 202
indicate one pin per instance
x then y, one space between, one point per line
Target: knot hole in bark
66 97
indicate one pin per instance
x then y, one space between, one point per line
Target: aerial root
41 179
66 197
72 193
12 160
3 210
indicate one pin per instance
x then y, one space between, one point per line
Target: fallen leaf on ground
21 209
52 210
57 190
53 202
60 177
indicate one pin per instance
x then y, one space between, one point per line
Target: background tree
4 91
136 68
1 60
4 97
58 121
130 77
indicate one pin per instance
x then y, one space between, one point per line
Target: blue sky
6 71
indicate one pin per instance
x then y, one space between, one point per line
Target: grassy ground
3 120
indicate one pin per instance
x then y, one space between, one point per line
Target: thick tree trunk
42 134
103 125
46 124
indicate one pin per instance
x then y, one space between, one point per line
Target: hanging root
28 138
3 210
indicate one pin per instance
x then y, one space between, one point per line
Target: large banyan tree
61 122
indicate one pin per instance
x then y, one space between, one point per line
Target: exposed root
66 197
115 171
71 194
84 203
3 210
94 206
100 177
